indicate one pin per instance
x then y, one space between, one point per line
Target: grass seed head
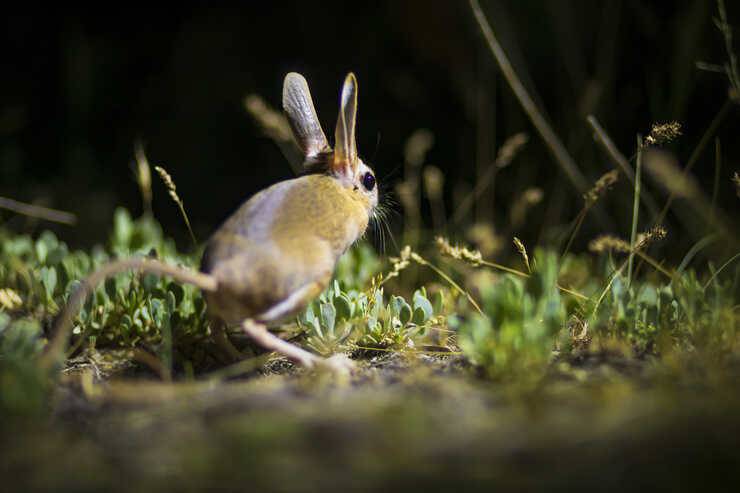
483 236
662 133
168 183
434 181
172 189
473 257
406 193
649 237
523 252
602 185
608 243
398 264
273 123
143 175
518 212
417 146
510 149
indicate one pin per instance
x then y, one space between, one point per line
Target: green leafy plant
520 323
342 319
396 323
23 384
131 309
681 313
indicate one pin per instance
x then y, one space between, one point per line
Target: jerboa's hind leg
263 337
257 330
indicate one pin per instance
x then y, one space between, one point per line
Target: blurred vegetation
598 357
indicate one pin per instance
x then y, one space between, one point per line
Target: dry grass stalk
644 240
681 184
715 184
417 146
273 123
518 213
696 153
607 143
172 190
555 145
606 243
407 194
635 206
506 154
409 190
37 211
434 181
422 261
601 186
665 170
407 254
275 126
731 67
474 258
609 243
618 158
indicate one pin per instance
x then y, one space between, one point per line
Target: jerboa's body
278 251
284 240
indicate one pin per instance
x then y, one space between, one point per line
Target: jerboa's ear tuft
345 145
298 106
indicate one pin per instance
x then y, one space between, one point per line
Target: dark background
79 86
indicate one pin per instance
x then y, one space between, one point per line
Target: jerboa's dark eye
368 181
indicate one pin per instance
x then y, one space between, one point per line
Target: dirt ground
398 423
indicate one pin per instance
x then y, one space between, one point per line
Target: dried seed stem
635 210
618 158
170 184
422 261
523 252
37 211
475 259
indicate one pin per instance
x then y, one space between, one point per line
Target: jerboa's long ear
298 105
345 146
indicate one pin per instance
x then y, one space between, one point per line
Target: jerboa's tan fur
283 238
